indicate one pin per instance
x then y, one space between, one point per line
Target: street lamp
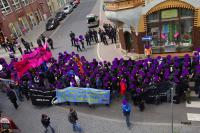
172 115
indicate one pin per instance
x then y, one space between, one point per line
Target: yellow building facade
173 25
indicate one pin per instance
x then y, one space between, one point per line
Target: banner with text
89 95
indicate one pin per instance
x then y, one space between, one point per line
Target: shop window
186 12
16 4
25 2
153 17
5 7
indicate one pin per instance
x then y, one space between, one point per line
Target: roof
90 15
110 1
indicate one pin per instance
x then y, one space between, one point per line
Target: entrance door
128 40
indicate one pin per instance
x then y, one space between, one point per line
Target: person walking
77 44
43 38
45 120
73 118
81 39
91 35
18 46
50 42
87 38
95 35
72 36
104 38
13 98
26 44
126 109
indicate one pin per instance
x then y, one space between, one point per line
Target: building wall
114 12
24 18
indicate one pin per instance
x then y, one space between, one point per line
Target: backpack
126 108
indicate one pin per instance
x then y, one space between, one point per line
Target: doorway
128 40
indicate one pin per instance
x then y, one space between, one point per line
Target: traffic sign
147 38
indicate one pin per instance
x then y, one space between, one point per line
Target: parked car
68 9
51 24
60 16
92 20
73 4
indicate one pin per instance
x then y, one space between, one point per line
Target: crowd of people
120 76
91 36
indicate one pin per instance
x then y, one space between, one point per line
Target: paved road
27 117
77 23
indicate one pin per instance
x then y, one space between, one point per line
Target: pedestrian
126 109
95 35
18 46
43 38
26 44
39 42
104 38
100 34
4 45
73 118
77 44
113 35
72 36
45 120
81 39
188 95
91 35
87 39
13 98
50 42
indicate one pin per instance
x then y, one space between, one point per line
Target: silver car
68 9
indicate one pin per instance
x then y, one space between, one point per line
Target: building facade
54 5
20 16
174 25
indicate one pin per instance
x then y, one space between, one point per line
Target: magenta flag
32 60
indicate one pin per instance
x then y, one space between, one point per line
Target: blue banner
89 95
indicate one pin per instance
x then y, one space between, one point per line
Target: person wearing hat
126 109
77 44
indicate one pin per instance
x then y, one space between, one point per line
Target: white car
68 9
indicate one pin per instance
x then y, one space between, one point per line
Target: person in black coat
72 36
95 35
26 44
13 98
45 120
87 39
50 42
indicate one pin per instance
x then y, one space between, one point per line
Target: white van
92 20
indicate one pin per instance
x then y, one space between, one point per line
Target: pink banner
176 34
32 60
163 36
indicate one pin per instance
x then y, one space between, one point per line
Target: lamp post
172 115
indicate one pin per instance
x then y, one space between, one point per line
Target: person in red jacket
123 86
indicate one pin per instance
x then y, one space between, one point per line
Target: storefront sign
172 13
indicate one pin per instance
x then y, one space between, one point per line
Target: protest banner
89 95
39 97
32 60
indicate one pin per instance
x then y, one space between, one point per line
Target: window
16 4
5 7
25 2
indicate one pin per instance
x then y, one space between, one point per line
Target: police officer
91 35
104 38
87 38
113 35
101 35
95 35
72 36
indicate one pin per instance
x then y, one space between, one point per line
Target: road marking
122 121
193 117
193 104
98 45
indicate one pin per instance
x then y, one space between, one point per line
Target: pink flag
163 36
176 34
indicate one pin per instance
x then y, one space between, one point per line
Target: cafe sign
172 13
